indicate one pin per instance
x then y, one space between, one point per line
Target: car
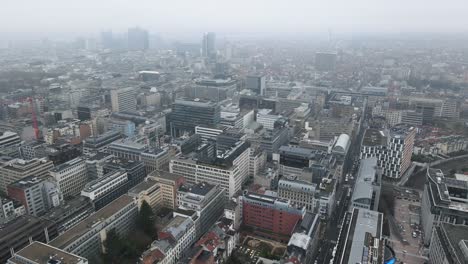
404 251
415 235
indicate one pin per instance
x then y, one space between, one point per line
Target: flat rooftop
374 137
84 226
42 253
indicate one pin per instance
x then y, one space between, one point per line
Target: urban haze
234 132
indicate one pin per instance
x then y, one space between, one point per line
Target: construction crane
34 118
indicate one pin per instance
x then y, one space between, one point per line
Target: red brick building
269 216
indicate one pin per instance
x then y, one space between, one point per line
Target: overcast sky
91 16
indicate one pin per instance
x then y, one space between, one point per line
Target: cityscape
253 141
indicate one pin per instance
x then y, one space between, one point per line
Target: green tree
117 249
145 220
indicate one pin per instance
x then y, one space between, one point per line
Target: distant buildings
208 44
138 39
325 61
256 84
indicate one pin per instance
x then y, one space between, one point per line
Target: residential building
17 169
40 253
35 194
205 199
71 177
449 244
169 183
85 239
271 217
443 202
19 233
367 187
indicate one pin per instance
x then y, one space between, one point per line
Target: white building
100 187
123 100
299 192
71 176
265 118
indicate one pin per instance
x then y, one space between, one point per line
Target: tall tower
138 39
209 44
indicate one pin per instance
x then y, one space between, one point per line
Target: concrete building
444 201
267 119
106 189
292 160
135 170
71 177
256 84
298 192
208 133
95 164
35 194
205 199
271 141
449 244
17 169
155 159
19 233
257 161
9 139
367 187
85 239
230 170
99 143
10 209
215 90
149 191
271 217
169 184
40 253
33 149
304 242
187 114
123 100
208 45
127 148
70 213
361 241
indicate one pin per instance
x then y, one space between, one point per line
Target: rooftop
201 188
42 253
87 224
374 137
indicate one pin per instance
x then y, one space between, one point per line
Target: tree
117 249
145 220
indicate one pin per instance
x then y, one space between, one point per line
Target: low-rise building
449 244
71 177
149 191
169 183
40 253
104 190
366 192
17 169
155 159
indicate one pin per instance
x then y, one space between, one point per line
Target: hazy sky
89 16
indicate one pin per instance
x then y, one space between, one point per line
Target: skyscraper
138 39
186 115
209 44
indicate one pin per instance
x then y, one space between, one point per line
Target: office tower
256 84
18 169
86 238
449 244
107 40
71 177
298 192
40 253
441 202
8 139
361 240
37 195
106 189
272 217
100 143
169 183
17 234
138 39
123 100
205 199
366 192
233 165
186 115
325 61
257 161
209 44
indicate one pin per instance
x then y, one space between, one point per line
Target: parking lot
406 234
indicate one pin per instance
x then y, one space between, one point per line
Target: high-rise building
18 169
209 44
40 253
442 203
449 244
138 39
256 84
325 61
205 199
123 100
271 217
229 170
186 115
71 177
37 195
